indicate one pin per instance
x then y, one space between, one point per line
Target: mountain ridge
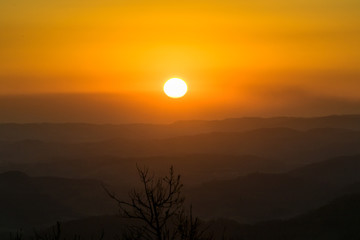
79 132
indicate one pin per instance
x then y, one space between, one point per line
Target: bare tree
157 209
190 228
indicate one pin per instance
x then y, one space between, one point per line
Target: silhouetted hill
32 201
335 221
251 198
259 197
263 196
13 176
338 220
337 171
83 132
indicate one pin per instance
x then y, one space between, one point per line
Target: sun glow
175 88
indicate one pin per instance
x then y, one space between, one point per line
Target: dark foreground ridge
337 220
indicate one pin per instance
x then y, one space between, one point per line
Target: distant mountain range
251 170
194 168
84 132
290 146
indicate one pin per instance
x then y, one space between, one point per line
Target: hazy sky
299 57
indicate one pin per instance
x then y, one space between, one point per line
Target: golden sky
231 53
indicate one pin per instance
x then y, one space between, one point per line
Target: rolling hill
284 144
334 221
263 196
84 132
35 201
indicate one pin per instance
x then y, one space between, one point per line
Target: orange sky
263 55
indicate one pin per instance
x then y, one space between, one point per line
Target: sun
175 88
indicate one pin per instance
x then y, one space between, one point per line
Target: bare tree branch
158 208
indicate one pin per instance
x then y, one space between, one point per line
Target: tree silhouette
157 209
